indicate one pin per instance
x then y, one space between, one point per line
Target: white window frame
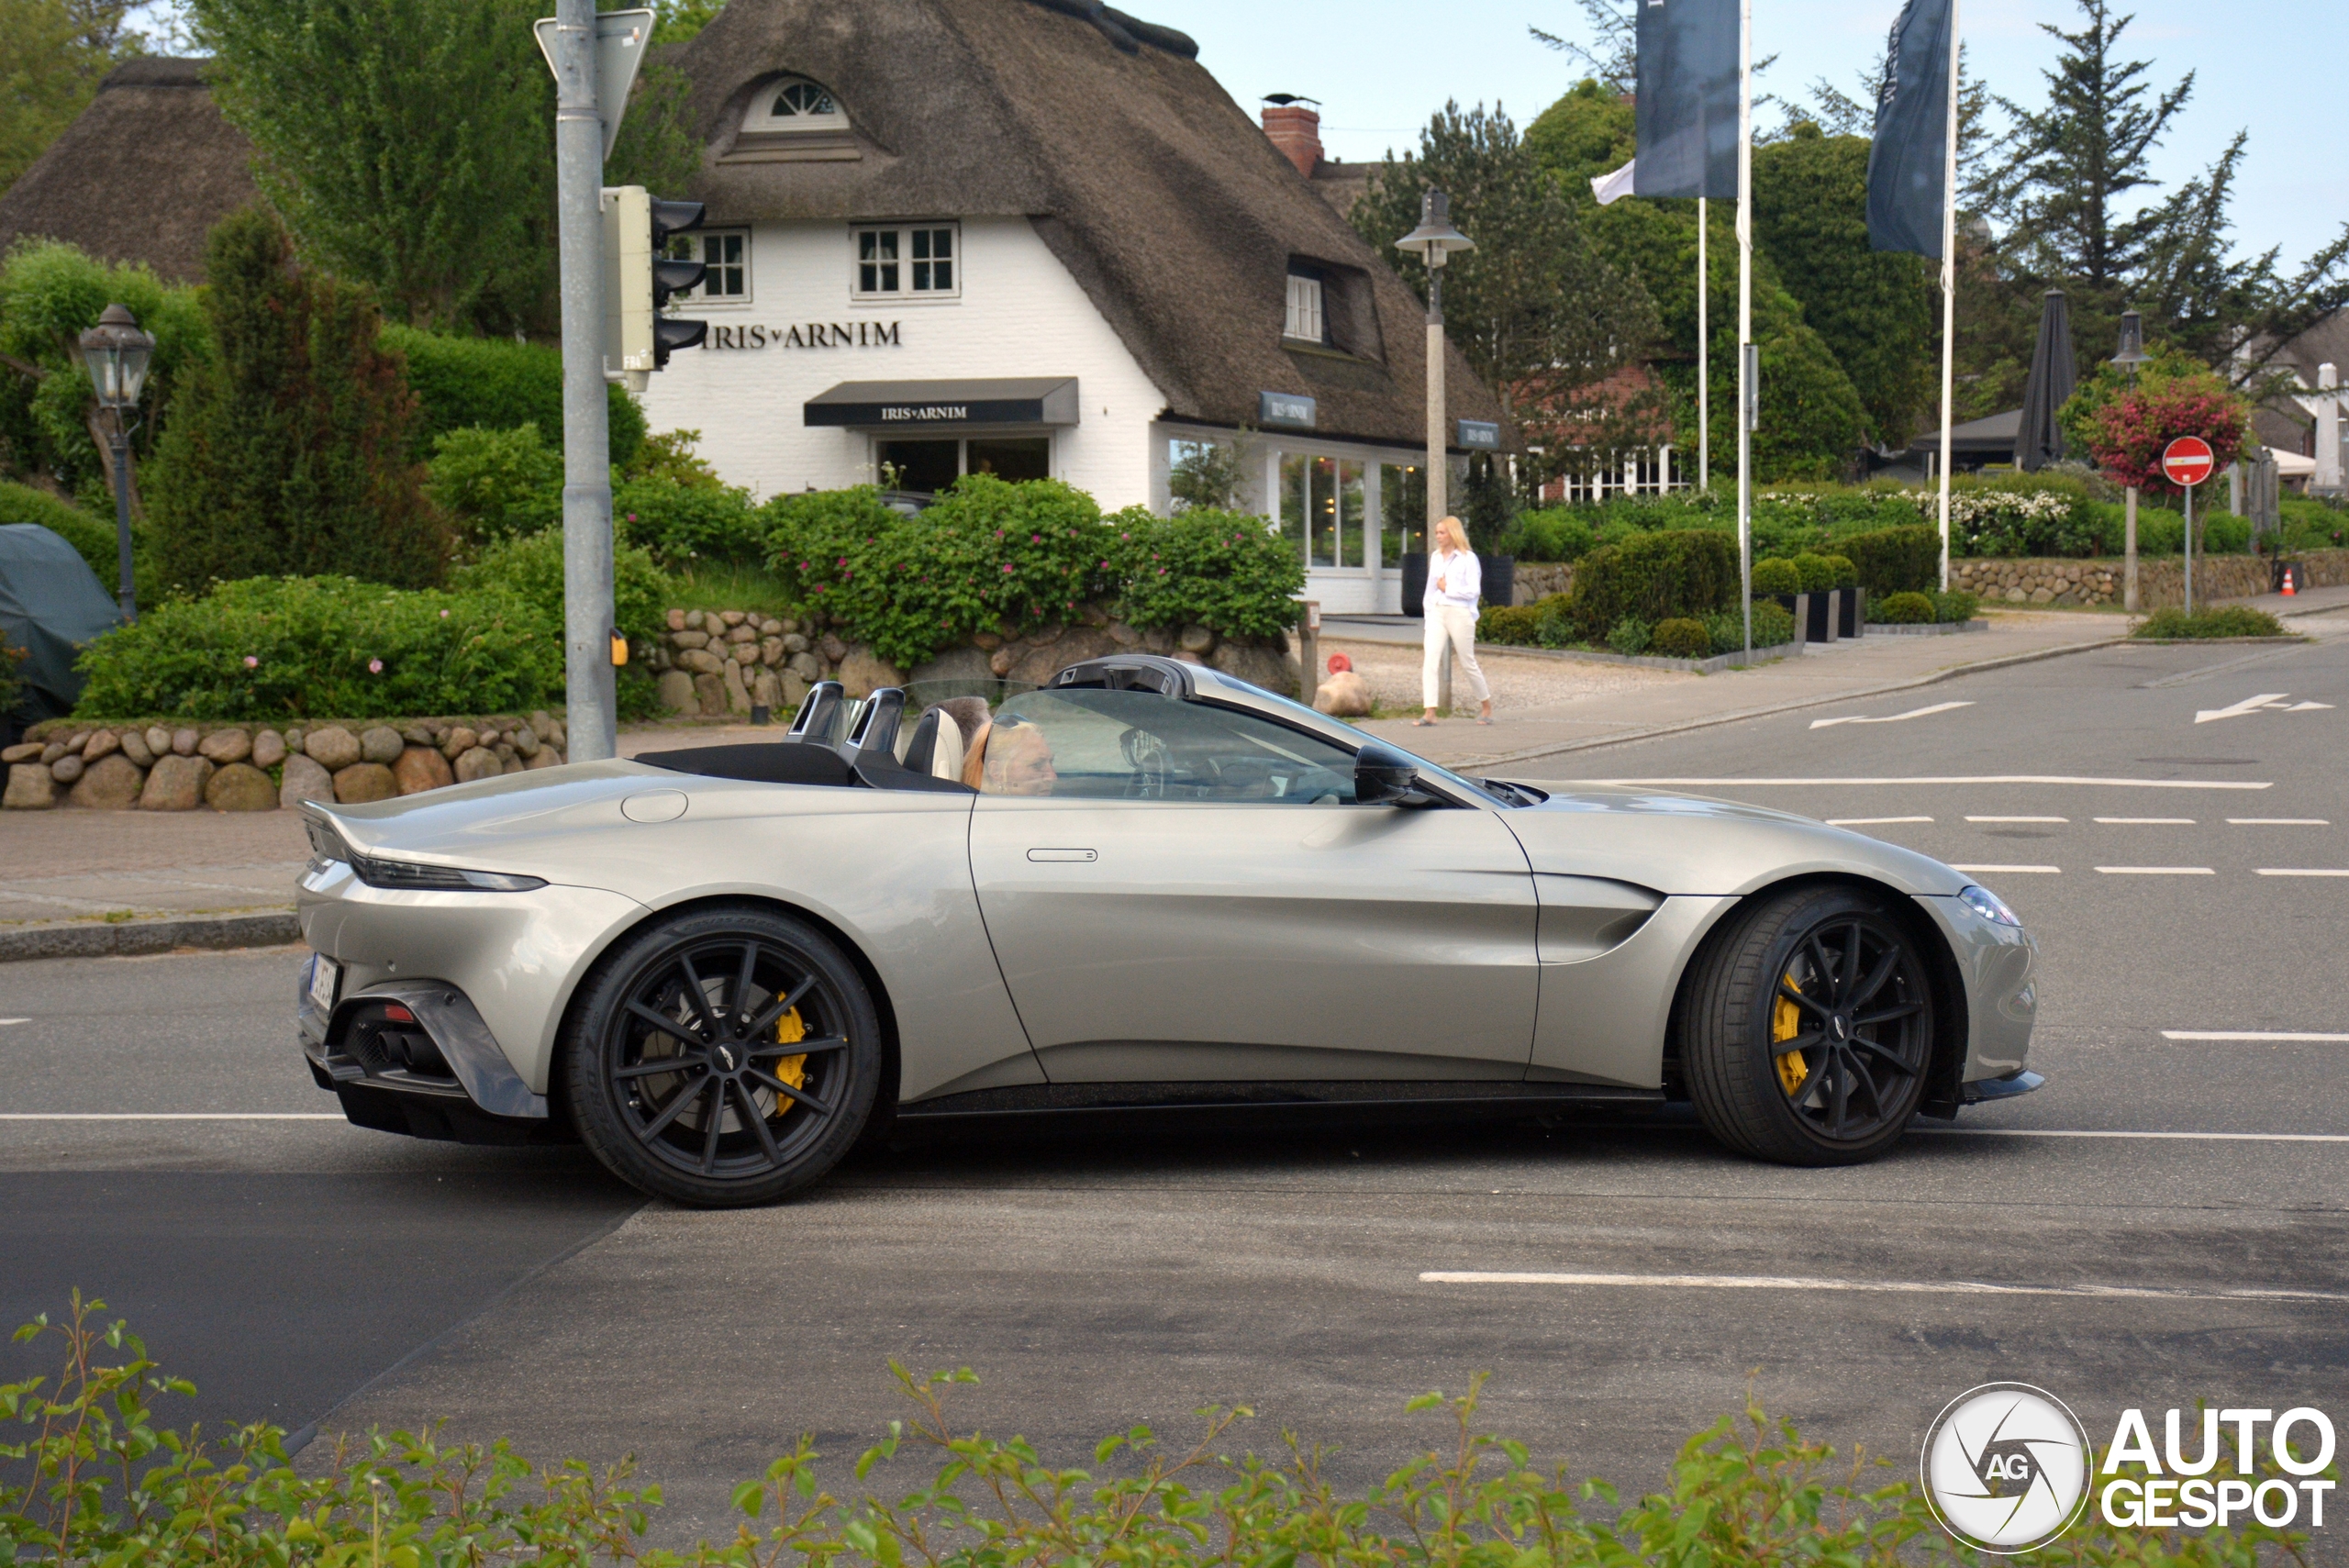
1306 321
905 239
761 115
701 240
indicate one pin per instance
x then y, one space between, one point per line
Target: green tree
57 52
288 450
1877 312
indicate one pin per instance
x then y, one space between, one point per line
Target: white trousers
1457 627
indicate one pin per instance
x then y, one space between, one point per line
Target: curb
1559 748
1708 667
86 938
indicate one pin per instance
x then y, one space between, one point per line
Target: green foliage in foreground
498 384
2224 620
1746 1492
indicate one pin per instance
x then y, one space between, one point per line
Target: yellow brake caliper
1786 1022
791 1069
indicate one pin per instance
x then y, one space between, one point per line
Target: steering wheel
1147 755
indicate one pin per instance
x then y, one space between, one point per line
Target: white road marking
173 1115
2253 1034
2017 819
2186 1137
1948 779
2044 870
1888 719
2148 821
1870 1286
2158 871
4 1021
1870 821
2277 822
2266 700
2286 871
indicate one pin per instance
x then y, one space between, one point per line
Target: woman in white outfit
1455 581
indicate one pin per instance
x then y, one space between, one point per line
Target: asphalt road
2167 1213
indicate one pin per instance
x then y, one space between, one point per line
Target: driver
1015 759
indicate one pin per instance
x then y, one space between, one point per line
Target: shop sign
1480 435
1285 410
806 334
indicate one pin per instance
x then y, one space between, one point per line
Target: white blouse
1462 576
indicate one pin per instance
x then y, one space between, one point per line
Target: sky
1382 67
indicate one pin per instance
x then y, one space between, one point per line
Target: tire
753 1113
1770 1071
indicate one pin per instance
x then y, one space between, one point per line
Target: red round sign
2188 460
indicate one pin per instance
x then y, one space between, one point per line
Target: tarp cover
50 604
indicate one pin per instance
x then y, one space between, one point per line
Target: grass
716 585
2225 620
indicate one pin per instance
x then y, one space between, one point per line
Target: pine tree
287 452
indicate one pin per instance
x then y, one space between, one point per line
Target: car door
1196 897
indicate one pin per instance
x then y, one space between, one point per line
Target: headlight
1989 905
409 876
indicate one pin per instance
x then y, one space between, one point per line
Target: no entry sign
2188 460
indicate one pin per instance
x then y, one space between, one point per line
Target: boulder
543 757
381 743
241 786
733 618
766 692
184 741
832 648
420 768
1124 635
553 734
737 695
676 620
113 783
28 752
690 638
1195 639
363 782
418 735
30 788
864 671
709 694
741 634
803 665
676 689
303 780
770 627
135 747
50 753
104 743
701 661
694 618
459 741
793 643
1074 646
526 741
333 748
793 690
66 769
268 749
1259 664
966 663
509 760
478 763
158 740
226 746
771 650
1343 695
177 784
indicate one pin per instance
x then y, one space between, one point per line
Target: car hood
1689 845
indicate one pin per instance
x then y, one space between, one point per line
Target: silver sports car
1144 885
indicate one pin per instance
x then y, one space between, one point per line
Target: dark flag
1910 158
1688 99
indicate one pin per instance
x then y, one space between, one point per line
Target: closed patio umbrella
2052 380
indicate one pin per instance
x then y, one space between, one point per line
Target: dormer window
1306 322
794 106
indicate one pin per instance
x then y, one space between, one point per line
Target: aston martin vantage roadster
1146 886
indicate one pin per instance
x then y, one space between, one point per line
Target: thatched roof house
141 175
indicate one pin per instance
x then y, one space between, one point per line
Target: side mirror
1383 774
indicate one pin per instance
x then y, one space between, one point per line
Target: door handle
1062 855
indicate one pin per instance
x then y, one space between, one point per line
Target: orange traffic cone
2291 583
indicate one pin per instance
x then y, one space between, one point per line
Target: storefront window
1012 457
1350 540
925 467
1403 508
1293 498
1324 474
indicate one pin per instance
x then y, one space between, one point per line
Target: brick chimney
1297 131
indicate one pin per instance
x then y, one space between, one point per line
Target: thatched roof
1161 195
141 175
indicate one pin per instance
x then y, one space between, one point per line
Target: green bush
1824 574
1777 576
497 383
681 524
1903 609
1957 605
1773 626
1518 625
496 484
1629 636
1554 534
2223 620
1224 570
280 648
529 570
1896 561
1653 577
1556 624
1682 638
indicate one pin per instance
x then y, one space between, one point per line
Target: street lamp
2130 354
116 353
1434 240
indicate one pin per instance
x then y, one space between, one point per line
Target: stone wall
1537 579
717 662
2160 581
246 767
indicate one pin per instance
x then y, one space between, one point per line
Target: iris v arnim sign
806 334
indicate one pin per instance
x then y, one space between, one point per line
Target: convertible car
1145 886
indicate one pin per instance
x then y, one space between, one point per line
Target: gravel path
1520 683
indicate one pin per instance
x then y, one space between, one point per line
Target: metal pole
2189 550
594 717
1704 380
1949 285
1746 357
2129 547
127 595
1439 465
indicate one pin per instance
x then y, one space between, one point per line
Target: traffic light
638 280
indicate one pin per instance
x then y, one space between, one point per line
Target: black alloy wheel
1808 1028
724 1057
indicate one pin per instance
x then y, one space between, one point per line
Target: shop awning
934 404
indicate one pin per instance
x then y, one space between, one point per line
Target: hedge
2220 620
499 384
1897 561
1747 1492
1683 572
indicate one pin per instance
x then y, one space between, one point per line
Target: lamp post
116 353
2131 355
1433 241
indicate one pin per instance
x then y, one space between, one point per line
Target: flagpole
1949 285
1704 377
1745 367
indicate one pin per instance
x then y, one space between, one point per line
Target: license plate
325 974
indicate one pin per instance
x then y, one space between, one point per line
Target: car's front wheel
1808 1028
723 1057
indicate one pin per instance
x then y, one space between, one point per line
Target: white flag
1611 188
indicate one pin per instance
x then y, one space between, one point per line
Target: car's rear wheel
724 1057
1810 1028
